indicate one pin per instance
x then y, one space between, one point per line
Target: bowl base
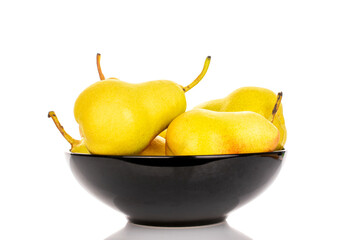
218 231
177 223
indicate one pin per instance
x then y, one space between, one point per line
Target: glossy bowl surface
176 190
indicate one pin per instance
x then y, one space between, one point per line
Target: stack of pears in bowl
143 154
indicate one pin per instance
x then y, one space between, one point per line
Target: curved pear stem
277 105
201 75
68 138
98 57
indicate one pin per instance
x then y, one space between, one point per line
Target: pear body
214 105
119 118
163 133
155 148
206 132
255 99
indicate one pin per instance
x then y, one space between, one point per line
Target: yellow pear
163 133
120 118
214 105
255 99
155 148
206 132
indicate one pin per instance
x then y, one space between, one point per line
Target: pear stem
201 75
98 57
68 138
277 105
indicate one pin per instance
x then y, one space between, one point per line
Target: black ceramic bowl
176 190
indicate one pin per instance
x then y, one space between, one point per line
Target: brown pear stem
201 75
98 57
68 138
277 105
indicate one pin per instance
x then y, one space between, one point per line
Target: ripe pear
163 133
155 148
120 118
206 132
255 99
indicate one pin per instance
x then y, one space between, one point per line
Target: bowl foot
218 231
177 223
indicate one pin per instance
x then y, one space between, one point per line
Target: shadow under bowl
176 190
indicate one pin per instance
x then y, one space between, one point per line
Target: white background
308 49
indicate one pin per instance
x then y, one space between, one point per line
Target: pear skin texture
155 148
168 152
206 132
163 133
119 118
255 99
214 105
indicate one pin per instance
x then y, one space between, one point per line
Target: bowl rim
182 157
178 160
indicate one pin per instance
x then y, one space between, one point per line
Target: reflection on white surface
220 231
